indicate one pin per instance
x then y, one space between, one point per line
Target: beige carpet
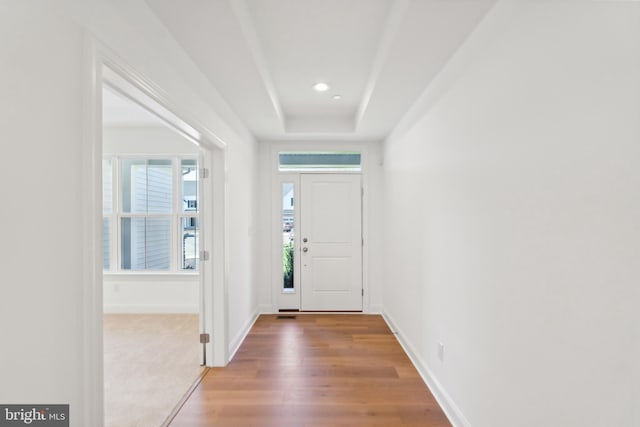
150 362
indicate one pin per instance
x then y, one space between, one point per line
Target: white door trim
101 64
369 159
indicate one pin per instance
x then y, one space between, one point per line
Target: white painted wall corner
266 309
451 410
236 342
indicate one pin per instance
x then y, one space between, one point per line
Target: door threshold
187 395
322 311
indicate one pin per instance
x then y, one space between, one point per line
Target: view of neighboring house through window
156 214
189 230
107 210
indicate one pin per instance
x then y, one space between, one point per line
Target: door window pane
288 234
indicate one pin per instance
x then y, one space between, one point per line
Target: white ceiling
118 110
263 56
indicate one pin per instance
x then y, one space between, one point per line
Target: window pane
320 161
158 243
189 184
159 186
288 233
132 243
147 186
106 243
190 254
107 186
145 243
133 182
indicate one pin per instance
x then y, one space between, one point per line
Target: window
107 208
153 203
320 161
189 229
288 233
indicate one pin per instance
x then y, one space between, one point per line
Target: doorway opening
151 283
134 232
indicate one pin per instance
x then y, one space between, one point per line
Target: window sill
150 274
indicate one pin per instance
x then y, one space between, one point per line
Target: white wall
40 253
243 281
154 293
264 228
512 220
148 293
374 226
44 67
145 140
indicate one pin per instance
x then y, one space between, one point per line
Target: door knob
305 249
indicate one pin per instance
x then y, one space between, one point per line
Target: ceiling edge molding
398 11
488 29
243 15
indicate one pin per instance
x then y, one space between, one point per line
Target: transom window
150 214
340 161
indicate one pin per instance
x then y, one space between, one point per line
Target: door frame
102 65
368 160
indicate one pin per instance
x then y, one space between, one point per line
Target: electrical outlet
441 351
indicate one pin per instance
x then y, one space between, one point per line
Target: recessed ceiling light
337 97
321 87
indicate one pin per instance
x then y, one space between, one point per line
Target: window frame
177 214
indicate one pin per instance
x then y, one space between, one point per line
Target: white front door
330 242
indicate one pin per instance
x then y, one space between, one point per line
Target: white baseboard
451 410
150 309
235 343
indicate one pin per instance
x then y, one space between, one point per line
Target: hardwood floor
314 370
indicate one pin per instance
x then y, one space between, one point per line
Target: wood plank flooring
315 370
